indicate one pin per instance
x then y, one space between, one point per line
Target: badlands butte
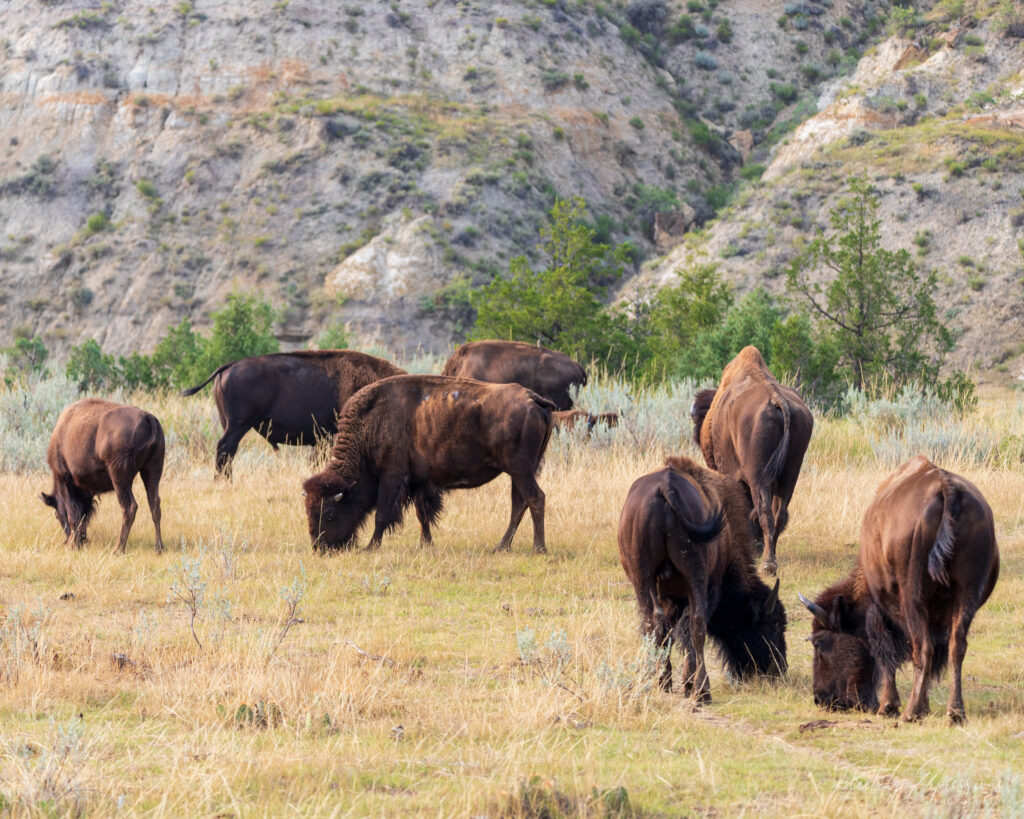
372 162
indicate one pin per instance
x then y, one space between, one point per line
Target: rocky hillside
372 161
935 119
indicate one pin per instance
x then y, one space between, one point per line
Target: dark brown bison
928 561
98 446
548 373
410 438
570 419
685 544
756 431
288 398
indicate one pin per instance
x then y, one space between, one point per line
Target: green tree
179 358
682 317
90 368
27 355
243 327
869 305
561 305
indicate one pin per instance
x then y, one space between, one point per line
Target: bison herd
688 536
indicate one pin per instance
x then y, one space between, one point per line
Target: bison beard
408 439
685 544
928 560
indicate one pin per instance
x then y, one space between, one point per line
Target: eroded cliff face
354 160
937 123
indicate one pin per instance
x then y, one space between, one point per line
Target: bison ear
49 500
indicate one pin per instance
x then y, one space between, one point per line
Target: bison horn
815 609
339 496
773 598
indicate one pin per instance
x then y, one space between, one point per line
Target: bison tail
543 402
213 375
702 531
942 550
699 410
773 468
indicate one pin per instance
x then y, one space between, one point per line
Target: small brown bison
547 372
686 546
410 438
570 419
928 561
288 398
99 446
756 431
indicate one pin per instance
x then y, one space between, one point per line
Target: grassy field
456 682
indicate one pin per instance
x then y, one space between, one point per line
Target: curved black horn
773 598
815 609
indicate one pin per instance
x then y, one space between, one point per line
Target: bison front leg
698 635
389 508
890 706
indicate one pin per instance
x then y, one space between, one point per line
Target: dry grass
498 684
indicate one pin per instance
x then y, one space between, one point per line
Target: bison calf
928 561
99 446
409 438
685 543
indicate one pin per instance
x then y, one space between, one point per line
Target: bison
685 543
569 419
410 438
548 373
756 431
288 398
99 446
928 561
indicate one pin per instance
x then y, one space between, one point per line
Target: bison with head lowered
409 438
928 560
685 543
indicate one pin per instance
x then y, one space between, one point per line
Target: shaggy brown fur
756 431
98 446
685 544
547 372
928 561
288 398
410 438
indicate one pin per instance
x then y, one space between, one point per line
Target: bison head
845 672
58 510
335 510
73 508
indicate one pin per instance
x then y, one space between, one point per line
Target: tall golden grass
451 681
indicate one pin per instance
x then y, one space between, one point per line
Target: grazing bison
99 446
568 419
410 438
548 373
686 545
928 561
288 398
756 431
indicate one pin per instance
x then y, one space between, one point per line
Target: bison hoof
955 716
911 717
889 709
703 698
502 547
770 567
540 550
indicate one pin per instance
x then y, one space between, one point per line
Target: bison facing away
98 446
756 431
928 560
288 398
547 372
686 546
410 438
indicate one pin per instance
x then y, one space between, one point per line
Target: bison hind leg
429 504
